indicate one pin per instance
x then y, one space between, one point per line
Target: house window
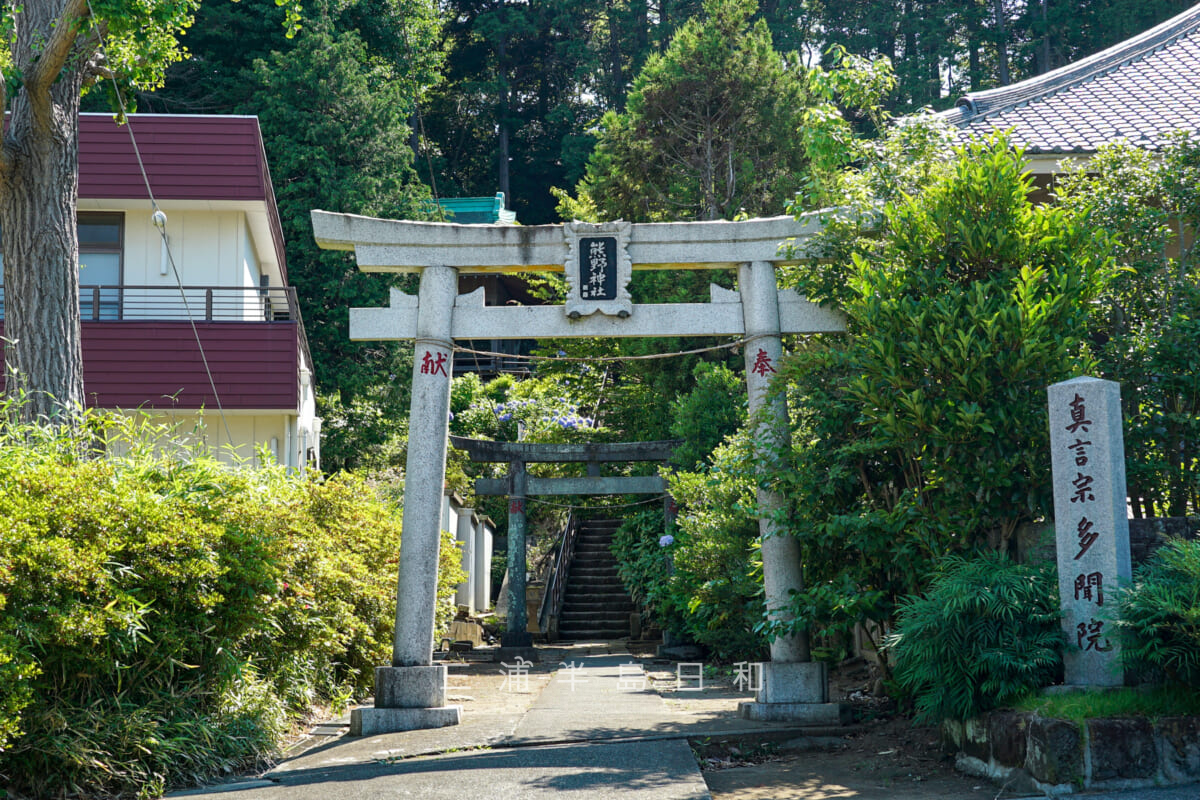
100 239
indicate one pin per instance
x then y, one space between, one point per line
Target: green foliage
1158 616
984 634
1145 328
923 432
704 582
717 577
710 412
163 619
644 563
944 48
334 114
712 128
1159 701
141 39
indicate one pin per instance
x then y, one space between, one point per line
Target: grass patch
1162 701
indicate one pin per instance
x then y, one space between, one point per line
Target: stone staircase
596 606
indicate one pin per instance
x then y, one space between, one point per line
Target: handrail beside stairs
556 588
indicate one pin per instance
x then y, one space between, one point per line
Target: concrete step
592 567
602 588
610 619
598 634
594 594
587 606
595 542
593 548
595 605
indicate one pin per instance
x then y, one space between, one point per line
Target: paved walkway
590 730
596 730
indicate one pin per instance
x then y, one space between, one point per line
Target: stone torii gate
598 260
518 485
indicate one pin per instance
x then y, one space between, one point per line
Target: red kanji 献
432 366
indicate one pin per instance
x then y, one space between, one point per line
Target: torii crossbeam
598 260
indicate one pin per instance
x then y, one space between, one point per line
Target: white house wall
209 248
251 431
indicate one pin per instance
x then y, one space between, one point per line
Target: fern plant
985 633
1158 617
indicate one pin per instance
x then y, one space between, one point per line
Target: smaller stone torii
598 260
518 485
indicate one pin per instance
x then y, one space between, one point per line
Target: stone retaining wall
1056 756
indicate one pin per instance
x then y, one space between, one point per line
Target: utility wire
593 359
160 221
654 499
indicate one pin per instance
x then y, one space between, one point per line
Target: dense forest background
378 105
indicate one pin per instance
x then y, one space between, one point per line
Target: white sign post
1090 522
598 260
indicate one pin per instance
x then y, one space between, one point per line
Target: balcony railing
199 303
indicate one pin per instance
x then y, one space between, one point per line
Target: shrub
163 619
985 633
706 583
1158 617
644 565
922 432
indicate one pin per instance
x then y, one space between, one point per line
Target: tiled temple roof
1137 90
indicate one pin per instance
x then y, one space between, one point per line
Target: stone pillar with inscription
411 693
1091 523
793 686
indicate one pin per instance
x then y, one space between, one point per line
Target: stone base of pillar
796 692
374 721
406 699
516 639
410 687
509 655
796 713
796 682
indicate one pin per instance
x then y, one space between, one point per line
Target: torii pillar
598 260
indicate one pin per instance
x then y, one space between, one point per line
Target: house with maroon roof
1138 90
198 327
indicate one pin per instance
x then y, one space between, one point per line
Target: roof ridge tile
980 105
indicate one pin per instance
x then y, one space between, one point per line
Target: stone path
587 731
592 732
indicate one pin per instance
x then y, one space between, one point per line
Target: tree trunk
38 198
1001 44
974 66
616 76
502 123
1044 46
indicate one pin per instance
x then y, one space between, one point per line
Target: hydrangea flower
666 540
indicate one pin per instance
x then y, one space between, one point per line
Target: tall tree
335 105
520 91
712 128
56 49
